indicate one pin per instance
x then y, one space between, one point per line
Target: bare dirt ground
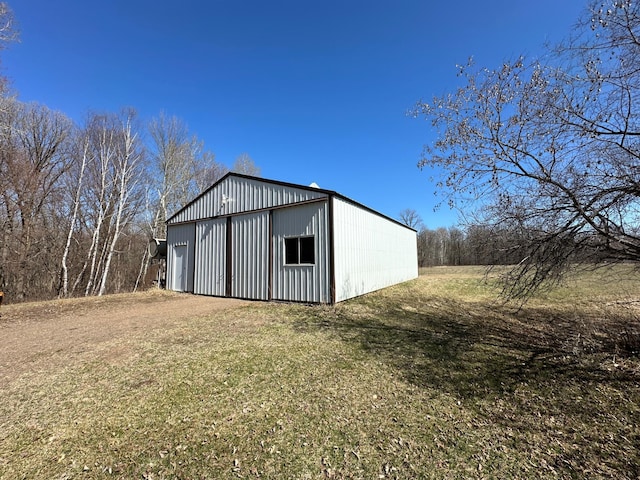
40 335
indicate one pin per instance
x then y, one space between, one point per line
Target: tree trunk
64 288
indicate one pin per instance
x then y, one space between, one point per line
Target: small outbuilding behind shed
252 238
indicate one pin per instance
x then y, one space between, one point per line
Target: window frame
300 252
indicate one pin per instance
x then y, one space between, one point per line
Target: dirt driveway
38 335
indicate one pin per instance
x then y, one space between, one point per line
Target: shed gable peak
236 193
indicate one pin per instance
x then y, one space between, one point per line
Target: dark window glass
291 251
300 250
307 250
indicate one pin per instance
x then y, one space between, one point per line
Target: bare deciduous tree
244 164
550 150
181 168
127 168
112 194
76 187
174 153
98 198
209 171
34 153
411 218
8 34
8 30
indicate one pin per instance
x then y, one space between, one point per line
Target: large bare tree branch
551 148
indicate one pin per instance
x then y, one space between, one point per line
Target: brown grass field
434 378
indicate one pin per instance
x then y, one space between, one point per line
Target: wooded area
475 245
79 203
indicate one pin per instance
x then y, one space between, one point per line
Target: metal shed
252 238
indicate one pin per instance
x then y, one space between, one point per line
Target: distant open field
434 378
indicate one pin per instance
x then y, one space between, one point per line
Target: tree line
475 245
78 203
472 245
490 245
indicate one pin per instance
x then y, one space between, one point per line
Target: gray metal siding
371 252
301 283
180 238
243 195
211 258
250 256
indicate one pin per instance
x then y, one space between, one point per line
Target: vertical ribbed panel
238 194
371 252
209 277
301 283
250 256
180 239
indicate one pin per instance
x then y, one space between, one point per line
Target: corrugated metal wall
301 283
242 195
250 256
371 252
180 257
210 267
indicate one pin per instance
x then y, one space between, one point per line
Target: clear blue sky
312 91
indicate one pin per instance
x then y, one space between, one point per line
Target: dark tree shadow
519 369
472 349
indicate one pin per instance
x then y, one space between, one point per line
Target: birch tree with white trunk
128 174
102 142
79 185
174 163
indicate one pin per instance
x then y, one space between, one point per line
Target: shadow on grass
474 349
546 379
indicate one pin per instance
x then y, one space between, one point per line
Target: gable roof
328 193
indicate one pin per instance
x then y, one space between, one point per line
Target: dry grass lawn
434 378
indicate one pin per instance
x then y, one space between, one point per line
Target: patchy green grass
434 378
